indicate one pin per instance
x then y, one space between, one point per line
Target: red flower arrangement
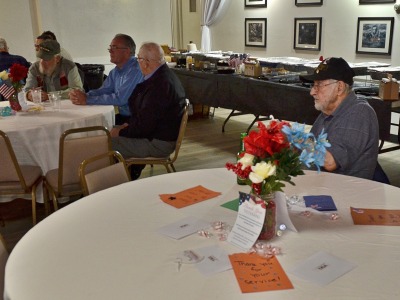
18 73
275 153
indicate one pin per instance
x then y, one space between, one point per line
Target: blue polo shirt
117 87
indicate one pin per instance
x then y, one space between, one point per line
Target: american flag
243 197
6 90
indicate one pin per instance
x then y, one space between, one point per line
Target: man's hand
330 163
115 131
77 97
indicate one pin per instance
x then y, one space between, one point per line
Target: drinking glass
55 100
36 96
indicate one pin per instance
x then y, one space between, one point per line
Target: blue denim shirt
117 87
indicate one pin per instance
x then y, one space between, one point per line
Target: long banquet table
105 246
291 102
35 136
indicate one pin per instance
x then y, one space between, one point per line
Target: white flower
246 160
261 171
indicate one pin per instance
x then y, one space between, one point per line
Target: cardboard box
252 69
389 91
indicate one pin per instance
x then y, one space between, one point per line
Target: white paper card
247 228
184 227
22 100
215 260
322 268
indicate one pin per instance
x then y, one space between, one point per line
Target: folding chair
165 161
76 145
16 179
113 174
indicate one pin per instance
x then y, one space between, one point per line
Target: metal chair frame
113 174
165 161
68 189
21 187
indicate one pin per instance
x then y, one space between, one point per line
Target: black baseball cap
331 68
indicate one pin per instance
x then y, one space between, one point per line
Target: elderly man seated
52 72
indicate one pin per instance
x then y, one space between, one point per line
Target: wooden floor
204 146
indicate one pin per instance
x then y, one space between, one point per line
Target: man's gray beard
47 72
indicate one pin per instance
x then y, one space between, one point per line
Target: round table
35 136
106 245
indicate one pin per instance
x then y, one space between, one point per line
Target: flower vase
268 230
14 103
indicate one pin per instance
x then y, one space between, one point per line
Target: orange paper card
189 196
258 274
367 216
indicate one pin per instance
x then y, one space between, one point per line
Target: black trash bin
94 76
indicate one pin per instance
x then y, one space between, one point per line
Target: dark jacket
156 107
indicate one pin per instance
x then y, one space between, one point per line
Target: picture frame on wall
376 1
308 2
375 35
255 3
255 32
307 33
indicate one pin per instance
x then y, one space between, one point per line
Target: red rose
18 72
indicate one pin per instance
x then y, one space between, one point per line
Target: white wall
85 27
16 27
339 29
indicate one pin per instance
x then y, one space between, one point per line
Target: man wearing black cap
351 123
52 72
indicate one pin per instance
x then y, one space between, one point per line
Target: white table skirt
105 246
35 136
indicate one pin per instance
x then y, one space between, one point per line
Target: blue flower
306 158
296 135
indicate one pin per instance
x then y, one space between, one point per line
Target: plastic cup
55 100
36 96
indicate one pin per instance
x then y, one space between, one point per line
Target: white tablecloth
35 136
105 246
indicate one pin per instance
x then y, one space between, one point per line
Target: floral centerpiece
273 155
11 83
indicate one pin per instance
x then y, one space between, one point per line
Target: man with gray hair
7 59
156 106
52 72
120 82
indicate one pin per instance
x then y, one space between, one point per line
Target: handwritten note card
188 197
249 221
367 216
258 274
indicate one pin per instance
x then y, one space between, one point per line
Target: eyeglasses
317 87
142 59
113 48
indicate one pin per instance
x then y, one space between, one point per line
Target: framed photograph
374 36
307 33
255 3
308 2
255 32
376 1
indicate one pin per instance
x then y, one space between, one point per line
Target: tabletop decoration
11 84
255 273
218 229
273 155
6 111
